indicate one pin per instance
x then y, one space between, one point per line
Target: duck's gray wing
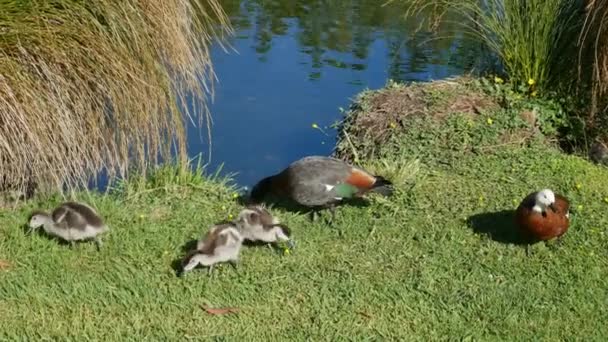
65 217
314 193
86 213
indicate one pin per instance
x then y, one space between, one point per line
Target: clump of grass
528 36
100 84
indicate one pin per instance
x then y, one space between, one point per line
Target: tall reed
88 85
593 60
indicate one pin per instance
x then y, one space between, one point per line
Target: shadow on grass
294 207
498 226
177 264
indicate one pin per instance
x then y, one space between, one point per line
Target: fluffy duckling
257 224
70 221
222 243
543 215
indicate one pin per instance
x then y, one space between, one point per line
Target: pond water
297 62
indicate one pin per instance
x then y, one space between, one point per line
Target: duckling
222 243
543 215
70 221
318 182
257 224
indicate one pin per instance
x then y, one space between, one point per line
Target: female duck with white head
257 224
222 243
70 221
543 215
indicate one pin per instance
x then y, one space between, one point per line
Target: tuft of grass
95 85
527 36
429 263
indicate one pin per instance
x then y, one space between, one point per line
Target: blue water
268 97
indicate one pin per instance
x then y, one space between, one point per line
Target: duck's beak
552 206
291 244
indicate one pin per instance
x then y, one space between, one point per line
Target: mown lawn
435 261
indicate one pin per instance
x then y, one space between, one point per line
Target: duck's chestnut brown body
543 226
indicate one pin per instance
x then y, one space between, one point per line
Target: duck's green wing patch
345 190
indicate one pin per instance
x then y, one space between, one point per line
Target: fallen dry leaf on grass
5 264
220 311
364 314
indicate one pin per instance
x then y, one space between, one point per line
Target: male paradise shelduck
256 223
320 182
222 243
70 221
543 215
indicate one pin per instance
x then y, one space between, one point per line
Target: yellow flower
141 216
235 195
223 207
480 198
533 94
393 125
531 82
286 251
578 185
498 80
606 199
579 207
165 252
490 121
314 125
230 217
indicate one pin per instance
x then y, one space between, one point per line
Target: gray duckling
70 221
257 224
222 243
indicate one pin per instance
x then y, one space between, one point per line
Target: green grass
408 267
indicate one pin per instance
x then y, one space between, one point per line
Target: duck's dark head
261 189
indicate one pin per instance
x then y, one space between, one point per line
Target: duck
543 215
222 243
70 221
319 182
256 223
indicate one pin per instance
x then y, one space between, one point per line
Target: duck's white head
38 219
544 199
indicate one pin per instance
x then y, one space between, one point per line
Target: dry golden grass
87 85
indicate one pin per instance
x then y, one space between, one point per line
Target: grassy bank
543 47
432 262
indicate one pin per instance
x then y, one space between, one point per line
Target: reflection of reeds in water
85 85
